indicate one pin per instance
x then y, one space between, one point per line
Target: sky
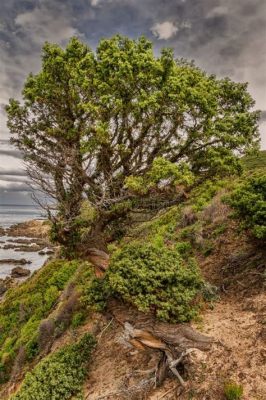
225 37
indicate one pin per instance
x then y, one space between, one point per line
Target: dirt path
241 357
240 326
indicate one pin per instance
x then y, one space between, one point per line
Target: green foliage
78 319
255 162
96 294
248 201
161 170
210 292
184 249
135 118
60 375
233 391
204 193
25 306
207 248
155 278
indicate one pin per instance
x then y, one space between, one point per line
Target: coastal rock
34 228
17 247
22 261
19 272
29 249
29 241
48 252
3 287
2 232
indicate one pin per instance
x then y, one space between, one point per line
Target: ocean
10 215
13 214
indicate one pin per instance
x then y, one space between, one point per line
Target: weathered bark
99 259
174 341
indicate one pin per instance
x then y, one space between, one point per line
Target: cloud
24 28
263 115
15 198
95 3
16 187
164 30
15 179
224 37
40 24
217 11
13 172
10 152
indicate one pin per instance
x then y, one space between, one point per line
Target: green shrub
25 306
233 391
78 319
207 248
256 161
155 278
184 249
248 201
60 375
96 294
202 194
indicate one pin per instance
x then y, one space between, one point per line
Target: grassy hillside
174 266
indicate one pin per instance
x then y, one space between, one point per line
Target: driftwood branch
174 341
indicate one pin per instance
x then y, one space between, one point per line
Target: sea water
11 215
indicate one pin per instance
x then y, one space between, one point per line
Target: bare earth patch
118 372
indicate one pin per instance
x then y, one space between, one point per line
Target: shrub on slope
156 278
60 375
248 201
25 306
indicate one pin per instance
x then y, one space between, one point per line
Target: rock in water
19 272
22 261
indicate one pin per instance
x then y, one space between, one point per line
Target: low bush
155 278
201 196
60 375
233 391
248 201
25 306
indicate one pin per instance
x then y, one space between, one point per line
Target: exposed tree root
174 341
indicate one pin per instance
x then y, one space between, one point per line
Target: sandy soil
239 354
237 321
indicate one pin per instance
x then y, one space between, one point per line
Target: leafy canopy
101 124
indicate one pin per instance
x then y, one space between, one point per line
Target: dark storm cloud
13 178
7 197
12 153
12 172
263 115
16 187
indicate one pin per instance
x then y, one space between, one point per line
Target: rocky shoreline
30 237
36 229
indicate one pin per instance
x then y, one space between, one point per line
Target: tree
51 127
120 123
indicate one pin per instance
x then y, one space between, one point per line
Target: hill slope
44 320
